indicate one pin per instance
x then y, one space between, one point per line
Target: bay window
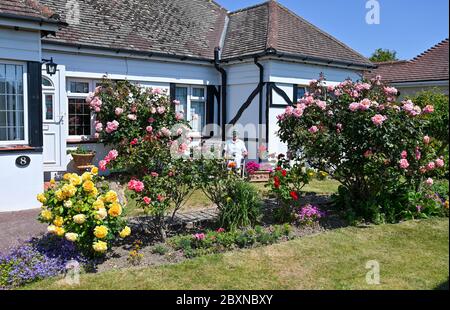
13 107
193 105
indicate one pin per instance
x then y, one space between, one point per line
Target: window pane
46 82
181 95
48 106
198 92
79 87
79 117
198 116
301 91
11 103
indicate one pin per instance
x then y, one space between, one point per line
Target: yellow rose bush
79 211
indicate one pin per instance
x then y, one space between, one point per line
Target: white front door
54 108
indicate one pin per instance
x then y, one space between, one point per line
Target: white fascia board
29 25
422 83
47 46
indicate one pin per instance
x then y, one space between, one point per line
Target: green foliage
160 249
376 148
220 241
286 184
382 55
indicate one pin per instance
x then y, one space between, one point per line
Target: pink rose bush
378 149
150 142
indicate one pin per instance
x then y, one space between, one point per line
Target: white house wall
95 67
20 45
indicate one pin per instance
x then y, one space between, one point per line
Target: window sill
18 148
81 141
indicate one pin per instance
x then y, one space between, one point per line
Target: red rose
278 168
284 173
294 195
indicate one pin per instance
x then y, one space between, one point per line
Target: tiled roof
431 65
271 26
25 8
177 27
194 28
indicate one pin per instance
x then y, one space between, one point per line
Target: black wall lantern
50 66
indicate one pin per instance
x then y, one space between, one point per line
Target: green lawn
412 255
199 201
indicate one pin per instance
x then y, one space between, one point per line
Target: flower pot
260 176
83 161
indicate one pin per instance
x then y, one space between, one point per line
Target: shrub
377 149
160 249
150 140
240 205
75 209
286 184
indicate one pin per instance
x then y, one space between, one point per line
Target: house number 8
23 161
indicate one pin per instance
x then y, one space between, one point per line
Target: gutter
39 20
261 82
304 58
223 97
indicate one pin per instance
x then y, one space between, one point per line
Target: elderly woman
235 150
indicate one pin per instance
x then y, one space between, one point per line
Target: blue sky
407 26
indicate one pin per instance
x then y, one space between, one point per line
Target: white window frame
71 95
25 104
48 90
190 98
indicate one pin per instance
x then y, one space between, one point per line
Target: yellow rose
68 204
75 179
88 186
111 197
58 221
60 195
125 232
101 232
46 215
98 204
115 210
446 204
59 231
72 237
87 176
52 182
67 176
94 192
69 190
41 198
94 170
100 246
101 214
51 229
79 219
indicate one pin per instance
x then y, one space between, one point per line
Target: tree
381 55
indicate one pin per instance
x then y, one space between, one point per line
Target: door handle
61 119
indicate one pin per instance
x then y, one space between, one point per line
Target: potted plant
257 172
82 158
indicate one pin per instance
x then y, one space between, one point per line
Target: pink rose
149 129
119 111
102 165
440 163
430 166
354 106
365 104
313 129
89 97
135 141
112 155
147 200
418 154
321 104
112 126
199 237
96 135
99 127
404 164
426 140
136 186
157 91
176 102
154 174
161 198
429 182
428 109
368 153
161 110
404 154
132 117
153 110
151 120
179 116
379 119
